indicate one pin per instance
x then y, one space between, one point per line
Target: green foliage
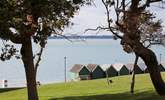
55 15
150 29
7 52
35 18
148 24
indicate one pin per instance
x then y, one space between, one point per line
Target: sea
76 51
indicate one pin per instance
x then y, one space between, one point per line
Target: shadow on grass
120 96
2 90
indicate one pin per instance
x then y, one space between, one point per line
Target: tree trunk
149 58
27 58
151 62
131 40
133 75
132 83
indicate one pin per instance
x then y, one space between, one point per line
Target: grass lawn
91 90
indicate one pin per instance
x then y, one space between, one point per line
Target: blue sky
93 16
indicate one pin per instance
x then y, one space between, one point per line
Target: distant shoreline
83 37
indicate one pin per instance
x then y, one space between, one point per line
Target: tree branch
95 29
17 39
109 20
38 60
134 4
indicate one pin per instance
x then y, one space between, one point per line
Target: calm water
51 68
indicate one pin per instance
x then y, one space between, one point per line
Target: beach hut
137 69
106 69
105 66
96 71
162 67
130 67
112 72
109 70
143 67
80 72
124 70
117 67
121 68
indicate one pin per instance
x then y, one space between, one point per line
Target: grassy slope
92 90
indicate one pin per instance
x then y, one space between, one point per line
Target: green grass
92 90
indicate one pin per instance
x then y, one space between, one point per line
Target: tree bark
149 58
131 39
27 58
151 62
133 75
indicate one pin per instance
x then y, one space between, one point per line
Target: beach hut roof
129 66
118 66
91 67
163 64
105 66
142 66
77 68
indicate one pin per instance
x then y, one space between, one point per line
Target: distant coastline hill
83 37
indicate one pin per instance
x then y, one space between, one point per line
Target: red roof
130 66
91 67
77 68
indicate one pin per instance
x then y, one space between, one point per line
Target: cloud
93 16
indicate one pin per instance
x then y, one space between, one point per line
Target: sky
88 17
93 16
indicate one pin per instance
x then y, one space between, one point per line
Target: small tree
24 20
